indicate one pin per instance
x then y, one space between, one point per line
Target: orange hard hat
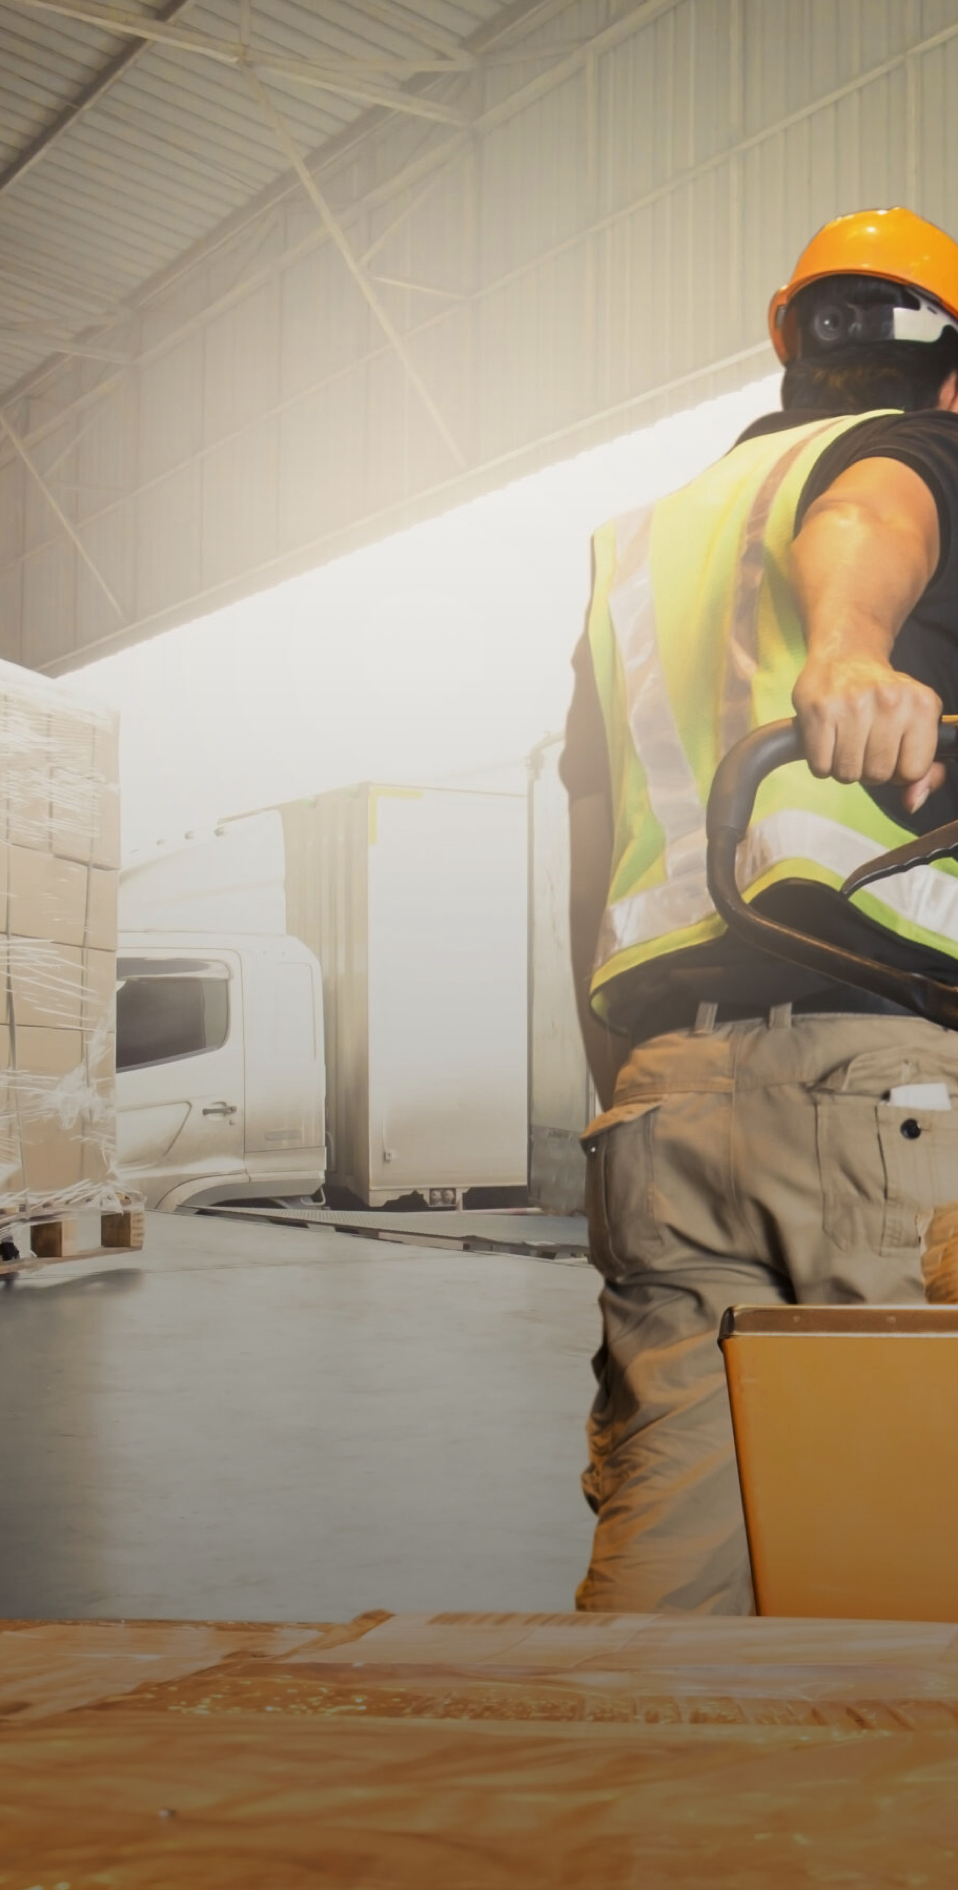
894 244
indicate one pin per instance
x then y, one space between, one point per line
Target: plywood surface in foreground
469 1750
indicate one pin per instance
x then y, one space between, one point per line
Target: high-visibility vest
695 640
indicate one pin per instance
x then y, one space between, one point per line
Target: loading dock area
249 1422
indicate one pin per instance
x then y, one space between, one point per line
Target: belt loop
780 1017
705 1020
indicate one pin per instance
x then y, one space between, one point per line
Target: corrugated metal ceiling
168 140
455 307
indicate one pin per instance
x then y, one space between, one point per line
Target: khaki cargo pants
753 1163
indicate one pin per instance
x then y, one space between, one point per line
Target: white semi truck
333 991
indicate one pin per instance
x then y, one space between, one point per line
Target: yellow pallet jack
845 1417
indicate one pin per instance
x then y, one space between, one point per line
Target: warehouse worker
752 1148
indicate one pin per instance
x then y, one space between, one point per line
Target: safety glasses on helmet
842 324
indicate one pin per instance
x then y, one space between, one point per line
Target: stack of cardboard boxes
59 865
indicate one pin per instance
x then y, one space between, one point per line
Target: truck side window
159 1019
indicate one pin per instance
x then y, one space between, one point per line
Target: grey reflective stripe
627 529
741 654
655 913
671 785
925 897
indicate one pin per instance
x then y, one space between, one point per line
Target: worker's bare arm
866 552
590 841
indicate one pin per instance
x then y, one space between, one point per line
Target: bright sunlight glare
439 655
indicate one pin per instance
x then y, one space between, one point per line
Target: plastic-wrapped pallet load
59 864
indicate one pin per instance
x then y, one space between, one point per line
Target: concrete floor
262 1423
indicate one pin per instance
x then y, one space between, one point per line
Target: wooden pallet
60 1239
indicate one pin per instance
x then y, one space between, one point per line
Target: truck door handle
221 1109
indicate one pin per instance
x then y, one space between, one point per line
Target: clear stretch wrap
59 865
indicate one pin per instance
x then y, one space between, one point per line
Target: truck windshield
159 1019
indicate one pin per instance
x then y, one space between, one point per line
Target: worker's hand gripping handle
737 781
741 772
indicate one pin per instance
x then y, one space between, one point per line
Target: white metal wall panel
437 356
307 466
715 85
49 589
38 521
239 495
935 83
13 501
375 462
107 459
168 537
110 540
171 411
241 364
598 249
325 323
11 605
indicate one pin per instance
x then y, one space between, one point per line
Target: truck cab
220 1067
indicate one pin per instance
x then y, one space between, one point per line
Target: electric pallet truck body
845 1417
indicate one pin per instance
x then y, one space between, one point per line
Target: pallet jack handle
737 780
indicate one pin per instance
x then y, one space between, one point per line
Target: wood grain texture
475 1751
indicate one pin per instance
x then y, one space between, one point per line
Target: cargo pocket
920 1149
884 1167
624 1233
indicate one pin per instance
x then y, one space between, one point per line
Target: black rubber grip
741 772
731 801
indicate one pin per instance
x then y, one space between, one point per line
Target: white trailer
561 1093
414 902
